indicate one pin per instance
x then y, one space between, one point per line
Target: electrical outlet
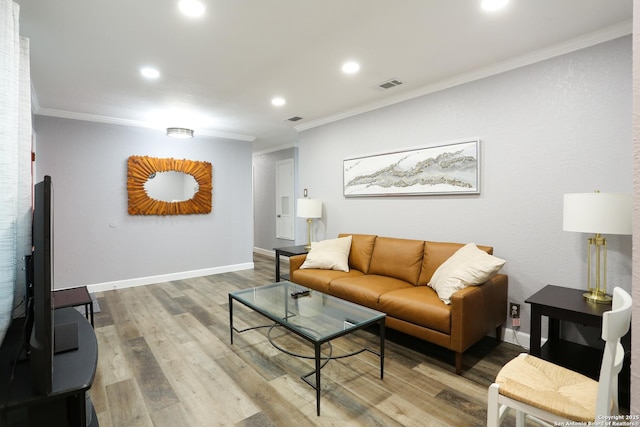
514 310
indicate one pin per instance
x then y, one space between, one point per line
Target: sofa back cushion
435 253
361 249
398 258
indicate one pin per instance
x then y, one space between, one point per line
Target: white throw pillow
332 254
467 266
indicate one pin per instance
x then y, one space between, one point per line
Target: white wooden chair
548 393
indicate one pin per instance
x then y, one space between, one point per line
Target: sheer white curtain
15 163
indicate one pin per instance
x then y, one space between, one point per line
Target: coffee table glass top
315 315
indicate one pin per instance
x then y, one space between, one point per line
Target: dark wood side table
74 297
288 251
565 304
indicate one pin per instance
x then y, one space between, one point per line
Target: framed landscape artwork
445 169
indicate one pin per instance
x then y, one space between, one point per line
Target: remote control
296 295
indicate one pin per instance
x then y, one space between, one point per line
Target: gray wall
555 127
264 198
97 242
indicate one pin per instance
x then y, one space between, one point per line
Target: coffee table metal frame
288 316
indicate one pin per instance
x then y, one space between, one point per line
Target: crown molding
274 149
127 122
35 104
606 34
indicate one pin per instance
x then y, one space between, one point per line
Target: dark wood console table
565 304
73 374
288 251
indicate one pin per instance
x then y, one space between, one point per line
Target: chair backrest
615 324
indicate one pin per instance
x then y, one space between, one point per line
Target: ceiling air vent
390 83
294 118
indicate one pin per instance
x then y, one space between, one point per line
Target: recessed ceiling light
149 73
278 101
350 67
192 8
491 5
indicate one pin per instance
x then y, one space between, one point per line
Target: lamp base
308 245
597 297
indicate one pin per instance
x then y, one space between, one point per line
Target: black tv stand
73 374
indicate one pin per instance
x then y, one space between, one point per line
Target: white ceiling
219 72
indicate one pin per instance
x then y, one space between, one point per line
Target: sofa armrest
295 262
478 310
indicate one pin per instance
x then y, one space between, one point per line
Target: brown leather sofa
391 275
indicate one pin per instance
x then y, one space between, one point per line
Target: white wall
98 242
555 127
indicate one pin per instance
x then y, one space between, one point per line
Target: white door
284 200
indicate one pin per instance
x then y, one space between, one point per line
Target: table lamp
598 213
309 209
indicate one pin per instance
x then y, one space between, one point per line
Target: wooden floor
165 359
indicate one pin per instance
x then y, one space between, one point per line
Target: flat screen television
42 339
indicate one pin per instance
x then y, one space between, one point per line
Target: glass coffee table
311 315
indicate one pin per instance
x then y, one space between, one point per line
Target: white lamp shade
309 208
601 213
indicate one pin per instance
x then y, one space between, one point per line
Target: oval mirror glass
171 186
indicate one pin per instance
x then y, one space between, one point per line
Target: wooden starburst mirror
142 168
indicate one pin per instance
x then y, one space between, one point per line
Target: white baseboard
141 281
265 252
520 339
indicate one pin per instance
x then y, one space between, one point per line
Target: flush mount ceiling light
350 67
149 73
180 133
492 5
278 101
191 8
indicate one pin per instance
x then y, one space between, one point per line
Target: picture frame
446 169
142 168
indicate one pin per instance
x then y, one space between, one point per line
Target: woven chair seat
550 387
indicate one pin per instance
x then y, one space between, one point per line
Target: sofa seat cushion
365 290
417 304
319 279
